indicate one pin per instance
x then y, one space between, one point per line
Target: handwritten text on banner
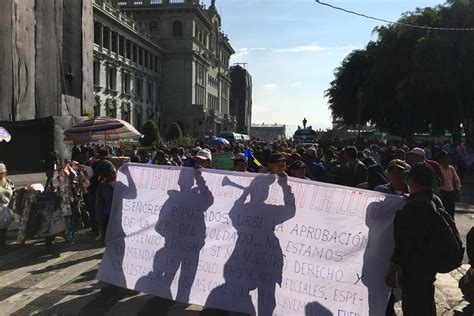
256 244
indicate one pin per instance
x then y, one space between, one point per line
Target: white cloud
261 108
296 84
270 86
311 48
240 52
300 49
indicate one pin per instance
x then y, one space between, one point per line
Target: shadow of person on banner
316 309
182 224
377 254
257 259
115 236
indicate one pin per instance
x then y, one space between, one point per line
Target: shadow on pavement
466 311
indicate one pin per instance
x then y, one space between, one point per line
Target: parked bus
305 136
235 137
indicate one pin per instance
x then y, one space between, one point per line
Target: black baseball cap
274 158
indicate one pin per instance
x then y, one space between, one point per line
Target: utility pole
360 95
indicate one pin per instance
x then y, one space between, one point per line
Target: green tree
150 133
412 80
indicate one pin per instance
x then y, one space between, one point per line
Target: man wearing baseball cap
417 155
396 171
412 227
277 164
203 159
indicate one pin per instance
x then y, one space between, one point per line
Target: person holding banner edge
416 228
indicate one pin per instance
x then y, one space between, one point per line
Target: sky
293 46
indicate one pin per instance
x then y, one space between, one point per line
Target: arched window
177 30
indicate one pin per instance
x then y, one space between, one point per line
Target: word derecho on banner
257 244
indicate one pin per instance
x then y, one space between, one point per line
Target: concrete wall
87 57
41 42
24 59
72 53
6 60
48 57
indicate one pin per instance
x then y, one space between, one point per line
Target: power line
453 29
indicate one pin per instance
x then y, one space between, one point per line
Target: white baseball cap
204 154
417 151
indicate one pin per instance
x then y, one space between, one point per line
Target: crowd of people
420 172
85 184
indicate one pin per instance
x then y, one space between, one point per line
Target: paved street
36 282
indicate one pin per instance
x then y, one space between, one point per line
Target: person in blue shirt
316 172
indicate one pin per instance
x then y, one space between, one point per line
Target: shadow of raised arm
130 191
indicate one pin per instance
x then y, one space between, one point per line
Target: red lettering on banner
300 192
155 183
315 198
329 193
144 178
169 180
322 198
375 209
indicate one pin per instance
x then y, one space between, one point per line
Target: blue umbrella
216 141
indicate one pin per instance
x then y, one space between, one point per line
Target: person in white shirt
448 191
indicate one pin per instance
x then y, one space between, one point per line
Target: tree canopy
150 133
412 80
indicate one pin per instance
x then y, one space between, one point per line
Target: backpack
470 246
444 249
466 284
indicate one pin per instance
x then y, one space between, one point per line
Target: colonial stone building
268 132
195 90
127 67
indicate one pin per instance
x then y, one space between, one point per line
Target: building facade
241 98
127 67
195 91
268 132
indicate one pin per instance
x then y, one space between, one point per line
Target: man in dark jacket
104 194
412 228
316 172
357 171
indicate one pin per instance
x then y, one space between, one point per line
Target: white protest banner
250 243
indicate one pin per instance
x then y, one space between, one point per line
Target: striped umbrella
101 129
4 135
